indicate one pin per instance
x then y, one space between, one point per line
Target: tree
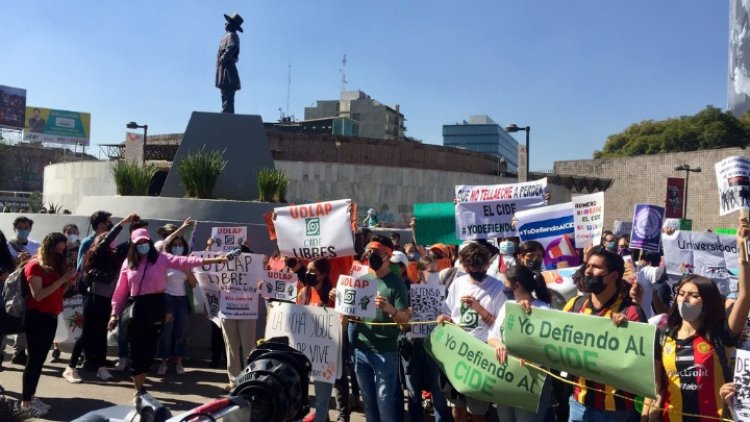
710 128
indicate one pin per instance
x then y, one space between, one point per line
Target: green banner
723 230
473 370
436 223
584 345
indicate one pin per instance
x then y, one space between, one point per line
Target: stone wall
643 179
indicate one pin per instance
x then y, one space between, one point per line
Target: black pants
93 339
40 331
227 100
144 331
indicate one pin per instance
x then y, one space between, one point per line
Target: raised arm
738 315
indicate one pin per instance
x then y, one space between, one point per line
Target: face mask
534 264
72 238
375 262
178 250
23 234
690 312
507 247
509 293
311 279
593 284
432 278
478 275
611 247
143 248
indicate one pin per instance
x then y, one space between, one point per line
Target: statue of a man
227 77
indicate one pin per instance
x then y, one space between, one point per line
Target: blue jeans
581 413
173 341
421 373
322 400
377 375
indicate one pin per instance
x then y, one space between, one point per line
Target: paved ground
70 401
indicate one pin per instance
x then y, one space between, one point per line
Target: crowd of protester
384 367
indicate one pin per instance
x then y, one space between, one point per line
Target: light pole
134 125
514 128
687 169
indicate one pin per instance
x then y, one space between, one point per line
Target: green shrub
272 185
199 172
133 179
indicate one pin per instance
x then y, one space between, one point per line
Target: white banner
553 227
589 218
356 296
310 231
733 178
227 239
486 211
741 405
314 331
426 301
230 290
279 285
707 254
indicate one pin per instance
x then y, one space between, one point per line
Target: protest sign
314 331
733 178
279 285
741 405
435 223
675 197
589 218
229 289
646 231
360 270
355 296
553 227
73 316
315 230
561 285
426 302
707 254
227 239
622 228
584 345
473 369
486 211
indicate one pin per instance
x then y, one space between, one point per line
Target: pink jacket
155 280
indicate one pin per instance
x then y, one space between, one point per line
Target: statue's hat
236 19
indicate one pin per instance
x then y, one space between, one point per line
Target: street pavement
69 401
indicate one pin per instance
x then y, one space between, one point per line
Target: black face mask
593 284
509 293
311 279
375 261
534 264
478 275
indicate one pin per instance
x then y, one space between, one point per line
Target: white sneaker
71 375
40 404
103 374
32 411
179 369
162 369
122 365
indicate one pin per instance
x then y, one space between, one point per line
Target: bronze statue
227 77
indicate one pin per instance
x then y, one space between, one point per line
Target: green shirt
383 338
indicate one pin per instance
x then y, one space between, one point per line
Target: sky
576 71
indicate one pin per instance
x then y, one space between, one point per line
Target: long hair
713 315
48 258
422 265
6 259
98 243
186 249
522 275
134 258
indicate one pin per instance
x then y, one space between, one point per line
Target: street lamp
687 169
514 128
134 125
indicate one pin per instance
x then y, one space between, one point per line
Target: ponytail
540 289
530 281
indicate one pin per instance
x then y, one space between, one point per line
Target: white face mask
72 238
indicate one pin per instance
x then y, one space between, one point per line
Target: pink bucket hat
139 234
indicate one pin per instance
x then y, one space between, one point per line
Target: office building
482 134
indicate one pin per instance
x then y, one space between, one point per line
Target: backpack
15 292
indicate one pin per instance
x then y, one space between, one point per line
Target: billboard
12 106
57 126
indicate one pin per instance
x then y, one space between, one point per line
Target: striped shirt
587 392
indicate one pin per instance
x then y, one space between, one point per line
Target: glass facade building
486 137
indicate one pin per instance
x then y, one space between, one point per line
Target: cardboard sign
589 218
314 331
553 227
279 285
315 230
73 316
708 254
230 290
647 224
486 211
426 302
227 239
356 296
733 178
741 405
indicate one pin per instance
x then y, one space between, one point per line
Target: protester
375 346
148 298
101 222
603 286
609 241
371 220
623 246
7 266
519 285
692 359
653 274
396 240
473 302
411 251
48 278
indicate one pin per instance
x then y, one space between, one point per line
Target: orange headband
381 247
